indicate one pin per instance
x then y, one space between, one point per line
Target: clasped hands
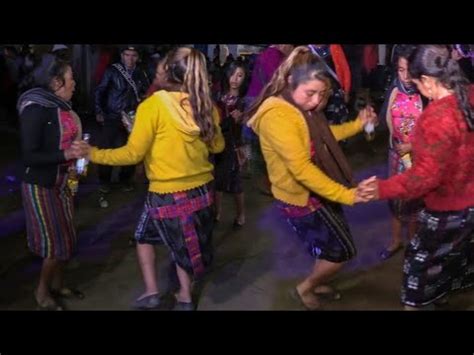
367 190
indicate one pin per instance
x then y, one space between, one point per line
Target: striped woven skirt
184 222
440 258
323 229
49 220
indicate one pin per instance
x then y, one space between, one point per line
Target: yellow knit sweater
285 143
166 137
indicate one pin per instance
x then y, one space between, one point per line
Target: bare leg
396 234
264 185
184 294
58 277
239 202
146 259
218 205
48 271
323 270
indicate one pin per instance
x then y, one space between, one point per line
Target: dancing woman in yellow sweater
309 174
174 132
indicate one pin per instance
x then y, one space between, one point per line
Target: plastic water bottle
81 164
128 119
369 131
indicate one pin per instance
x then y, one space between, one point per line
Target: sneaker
103 203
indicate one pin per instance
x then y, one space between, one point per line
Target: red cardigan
443 166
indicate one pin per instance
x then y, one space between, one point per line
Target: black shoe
128 188
387 253
237 225
184 306
148 302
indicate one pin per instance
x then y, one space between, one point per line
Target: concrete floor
254 267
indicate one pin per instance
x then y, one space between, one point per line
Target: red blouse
443 166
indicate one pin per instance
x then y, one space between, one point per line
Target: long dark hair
402 51
186 67
302 65
436 61
229 71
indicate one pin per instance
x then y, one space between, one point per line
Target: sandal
237 224
387 253
68 293
183 306
329 295
294 294
442 302
147 302
48 304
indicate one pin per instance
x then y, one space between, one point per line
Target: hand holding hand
367 190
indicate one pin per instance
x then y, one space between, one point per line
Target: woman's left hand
82 148
368 115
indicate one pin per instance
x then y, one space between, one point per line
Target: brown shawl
329 156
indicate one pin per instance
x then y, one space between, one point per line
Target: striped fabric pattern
184 209
324 232
296 211
440 257
49 220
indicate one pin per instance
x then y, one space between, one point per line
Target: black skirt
324 232
184 222
440 258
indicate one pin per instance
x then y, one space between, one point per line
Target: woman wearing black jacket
48 128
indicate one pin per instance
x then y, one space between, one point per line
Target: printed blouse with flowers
405 111
69 131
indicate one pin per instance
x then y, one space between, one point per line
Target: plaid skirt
440 258
183 221
323 229
49 220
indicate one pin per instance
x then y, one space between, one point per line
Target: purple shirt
265 65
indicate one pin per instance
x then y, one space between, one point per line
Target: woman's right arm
31 122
